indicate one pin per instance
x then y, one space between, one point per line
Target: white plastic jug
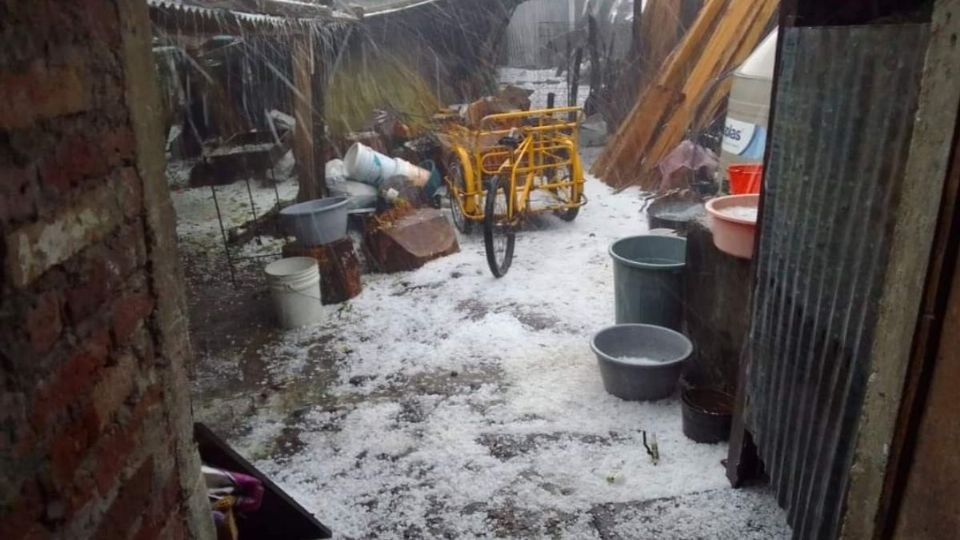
368 166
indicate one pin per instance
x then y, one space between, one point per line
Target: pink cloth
687 156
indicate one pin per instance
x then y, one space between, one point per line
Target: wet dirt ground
442 403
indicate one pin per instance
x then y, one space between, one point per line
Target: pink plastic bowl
731 234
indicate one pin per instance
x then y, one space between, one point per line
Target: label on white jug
737 136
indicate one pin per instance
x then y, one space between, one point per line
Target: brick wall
95 424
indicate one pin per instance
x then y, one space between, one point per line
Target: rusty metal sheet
843 119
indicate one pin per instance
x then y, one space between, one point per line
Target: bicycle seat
511 140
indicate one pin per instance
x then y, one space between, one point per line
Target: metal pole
223 233
253 210
276 192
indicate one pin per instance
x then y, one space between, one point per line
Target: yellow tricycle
512 165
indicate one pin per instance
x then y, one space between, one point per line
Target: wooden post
593 43
574 81
308 111
319 84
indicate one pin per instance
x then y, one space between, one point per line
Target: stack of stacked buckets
641 357
294 282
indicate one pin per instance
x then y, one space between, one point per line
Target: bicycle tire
499 235
460 221
568 214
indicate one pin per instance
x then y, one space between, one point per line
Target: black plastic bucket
707 414
675 215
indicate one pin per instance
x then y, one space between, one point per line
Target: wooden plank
304 142
924 179
934 470
718 57
660 99
721 92
697 76
669 76
721 38
909 489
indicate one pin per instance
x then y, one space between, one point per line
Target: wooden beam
933 360
903 286
304 135
669 76
721 38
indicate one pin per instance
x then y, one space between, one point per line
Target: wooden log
406 240
339 268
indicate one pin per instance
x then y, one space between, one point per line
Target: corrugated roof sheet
276 12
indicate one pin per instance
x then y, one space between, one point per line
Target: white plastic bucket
368 166
295 288
417 176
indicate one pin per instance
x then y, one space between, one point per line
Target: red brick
164 507
119 146
75 158
114 386
131 192
72 381
149 531
118 444
128 313
127 250
175 529
70 448
71 498
43 322
96 286
35 248
102 21
22 515
18 194
129 504
41 93
37 532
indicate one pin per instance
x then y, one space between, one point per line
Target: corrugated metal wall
843 120
536 36
539 29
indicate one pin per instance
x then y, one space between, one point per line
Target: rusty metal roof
268 12
280 11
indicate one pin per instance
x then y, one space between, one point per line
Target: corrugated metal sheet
843 120
271 12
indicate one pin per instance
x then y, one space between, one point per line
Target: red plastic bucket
745 179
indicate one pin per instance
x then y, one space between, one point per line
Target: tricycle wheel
571 193
567 214
499 232
460 221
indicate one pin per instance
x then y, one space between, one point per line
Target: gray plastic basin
318 222
656 378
